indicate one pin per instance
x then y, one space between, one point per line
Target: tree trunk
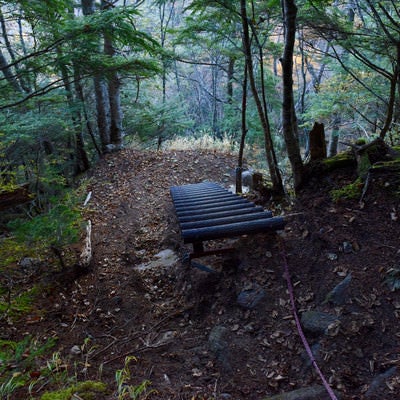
114 94
18 85
101 93
288 113
81 159
81 98
239 169
230 74
269 147
334 137
8 75
317 142
394 82
103 110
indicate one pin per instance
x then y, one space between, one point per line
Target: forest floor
189 335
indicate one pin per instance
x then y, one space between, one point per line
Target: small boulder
251 298
316 392
317 323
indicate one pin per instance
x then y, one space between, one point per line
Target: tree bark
8 75
101 92
317 142
275 175
288 112
114 94
81 159
239 169
394 83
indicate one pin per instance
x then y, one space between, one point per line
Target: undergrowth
20 362
349 192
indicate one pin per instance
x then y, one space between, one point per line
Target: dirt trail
186 328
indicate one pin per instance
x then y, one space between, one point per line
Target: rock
315 350
318 323
165 258
316 392
251 298
218 340
347 247
379 383
112 148
247 178
75 350
28 263
338 295
332 256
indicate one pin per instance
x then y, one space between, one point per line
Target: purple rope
299 328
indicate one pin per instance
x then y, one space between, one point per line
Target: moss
87 390
348 192
341 160
364 164
389 165
361 141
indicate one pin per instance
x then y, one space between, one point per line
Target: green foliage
12 251
87 390
82 37
60 226
124 390
18 361
151 120
348 192
15 306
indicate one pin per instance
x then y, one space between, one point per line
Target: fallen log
86 254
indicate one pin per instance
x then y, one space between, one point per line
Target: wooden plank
216 209
218 214
198 193
211 204
205 199
232 230
226 220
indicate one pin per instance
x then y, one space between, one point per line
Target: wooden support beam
232 230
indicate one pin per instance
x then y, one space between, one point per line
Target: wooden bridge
207 211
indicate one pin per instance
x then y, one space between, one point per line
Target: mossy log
341 160
370 154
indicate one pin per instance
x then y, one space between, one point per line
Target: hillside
189 334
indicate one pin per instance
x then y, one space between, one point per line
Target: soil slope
185 327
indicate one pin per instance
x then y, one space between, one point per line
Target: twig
136 335
89 195
365 188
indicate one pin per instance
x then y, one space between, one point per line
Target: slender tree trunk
8 75
114 93
81 159
101 92
334 137
239 169
275 175
394 85
288 113
81 98
230 75
102 111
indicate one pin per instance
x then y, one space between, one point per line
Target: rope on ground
298 324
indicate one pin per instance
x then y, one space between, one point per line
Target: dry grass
204 142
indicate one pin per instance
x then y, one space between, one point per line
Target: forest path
229 335
186 327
